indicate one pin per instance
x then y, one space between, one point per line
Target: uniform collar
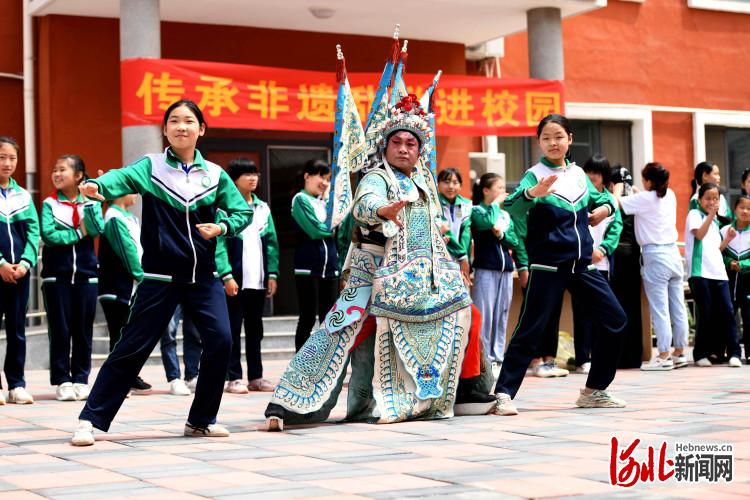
59 196
12 185
544 161
175 161
460 200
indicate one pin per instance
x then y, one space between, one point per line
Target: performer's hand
390 212
523 278
90 190
209 230
231 287
272 287
598 215
20 271
7 273
596 255
543 187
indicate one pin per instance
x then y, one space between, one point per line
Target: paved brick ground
551 449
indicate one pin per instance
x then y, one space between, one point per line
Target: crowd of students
199 216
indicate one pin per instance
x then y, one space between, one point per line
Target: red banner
263 98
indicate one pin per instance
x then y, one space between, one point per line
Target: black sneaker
140 386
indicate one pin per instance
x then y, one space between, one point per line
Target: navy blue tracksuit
153 306
559 246
545 287
179 268
13 302
69 284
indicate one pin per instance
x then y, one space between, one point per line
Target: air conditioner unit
483 163
491 49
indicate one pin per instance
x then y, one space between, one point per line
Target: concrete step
278 343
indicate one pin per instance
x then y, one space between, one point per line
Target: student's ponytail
658 176
476 193
485 182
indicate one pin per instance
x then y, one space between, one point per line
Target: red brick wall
11 90
660 53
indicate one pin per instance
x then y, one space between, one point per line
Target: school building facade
663 80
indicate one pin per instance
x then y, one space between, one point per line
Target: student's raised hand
500 198
209 230
543 187
90 190
390 212
598 215
20 271
7 272
231 287
731 234
272 287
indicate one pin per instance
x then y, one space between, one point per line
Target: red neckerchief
74 206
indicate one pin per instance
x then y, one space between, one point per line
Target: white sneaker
599 399
192 383
177 387
584 368
704 362
504 406
81 391
213 430
84 434
236 387
543 370
556 370
735 362
65 392
20 396
657 365
679 361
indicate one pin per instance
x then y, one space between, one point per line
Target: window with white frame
740 6
610 138
729 148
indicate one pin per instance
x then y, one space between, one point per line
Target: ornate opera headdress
390 112
407 115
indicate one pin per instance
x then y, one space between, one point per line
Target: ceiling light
321 12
